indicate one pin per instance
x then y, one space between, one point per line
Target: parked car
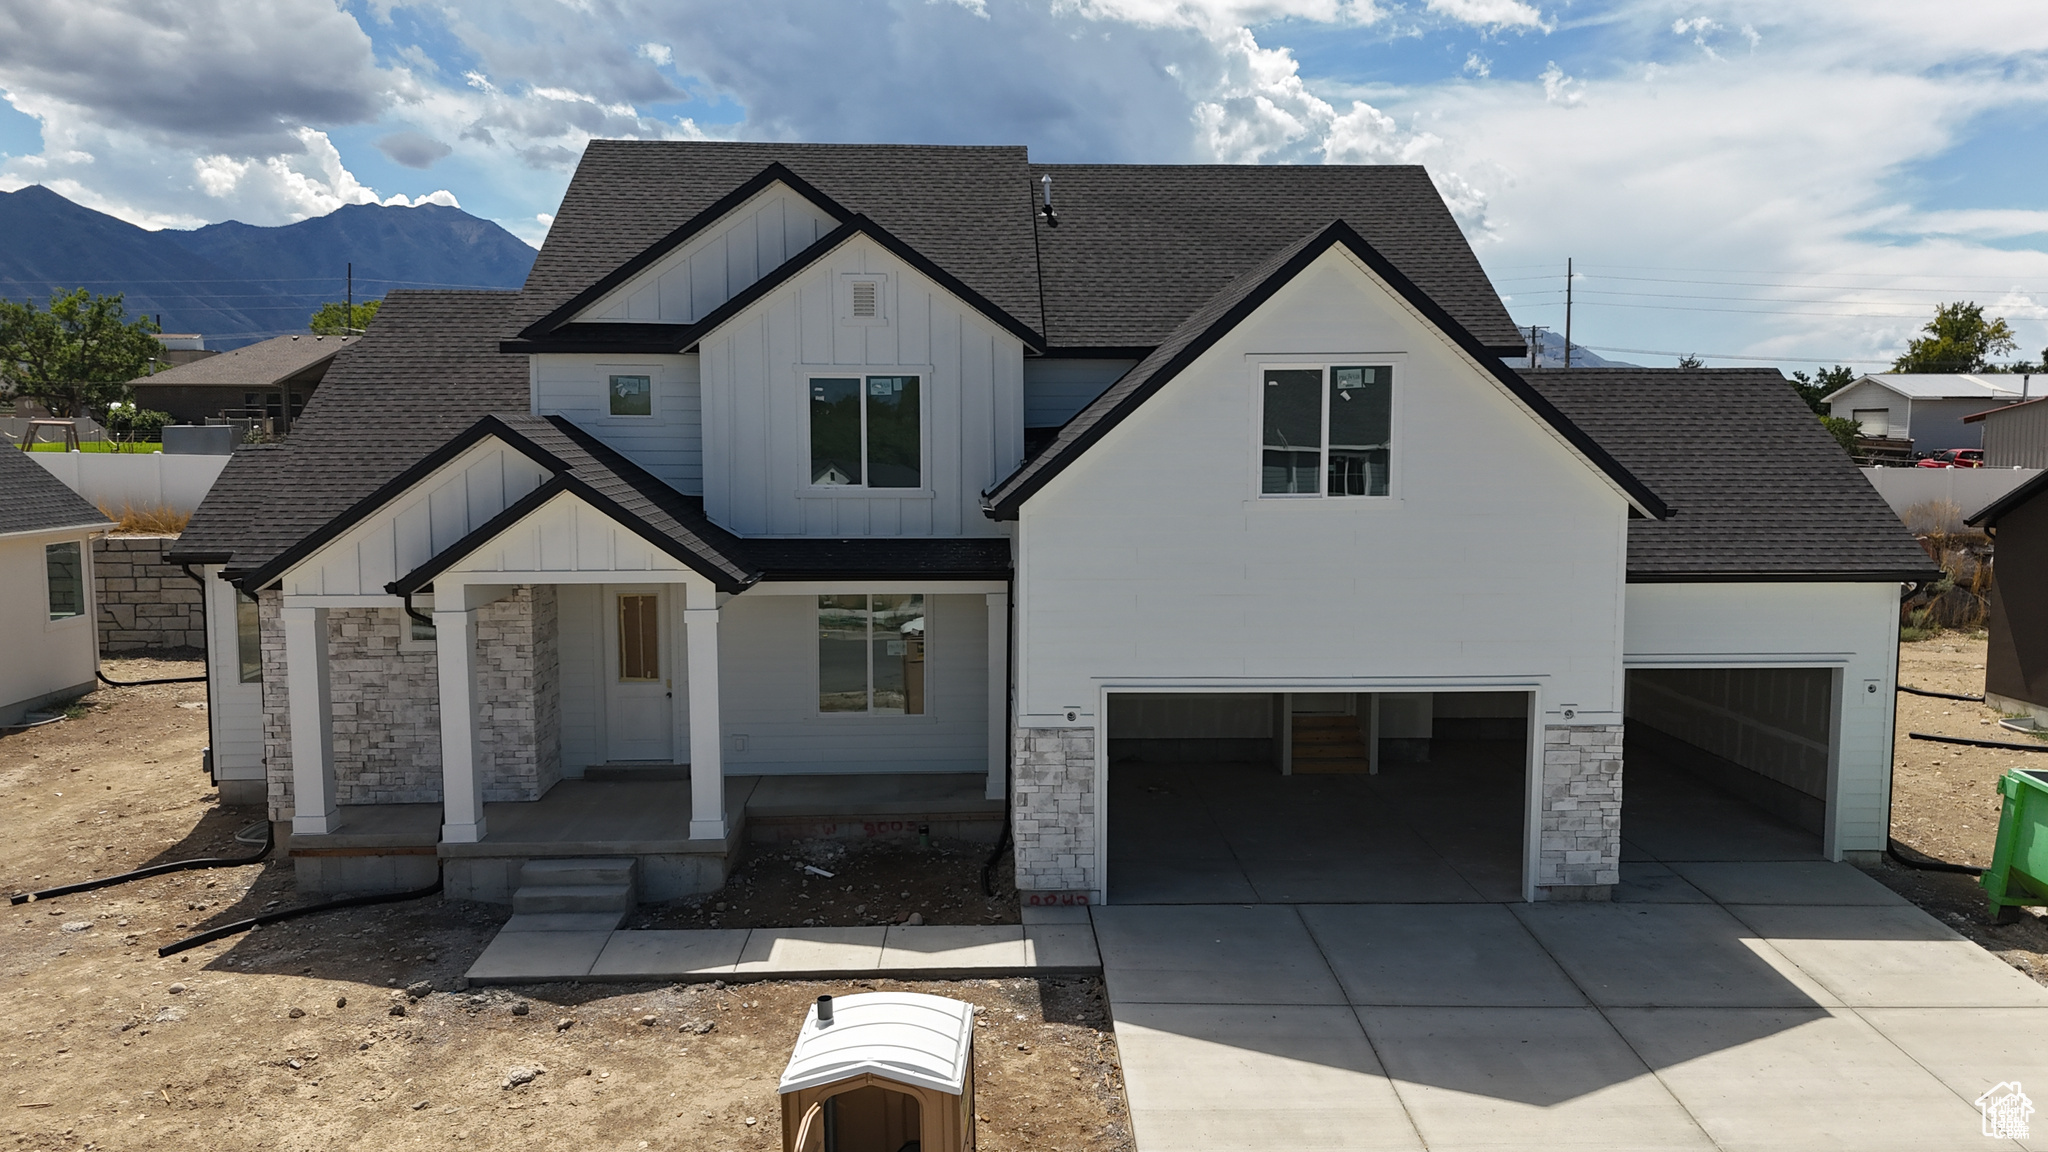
1954 458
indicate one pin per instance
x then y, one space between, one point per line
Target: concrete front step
573 898
594 870
565 921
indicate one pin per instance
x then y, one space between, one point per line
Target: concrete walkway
1744 1005
1052 941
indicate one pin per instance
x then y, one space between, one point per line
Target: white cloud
1489 13
661 54
1559 88
1478 65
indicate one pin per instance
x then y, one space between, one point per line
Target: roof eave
1804 576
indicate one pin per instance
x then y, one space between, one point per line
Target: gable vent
864 299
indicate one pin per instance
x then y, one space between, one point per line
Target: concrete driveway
1731 1005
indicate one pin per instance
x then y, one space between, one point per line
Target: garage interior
1726 764
1272 798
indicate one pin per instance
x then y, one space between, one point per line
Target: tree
1691 361
335 319
1958 339
1821 383
76 357
1843 429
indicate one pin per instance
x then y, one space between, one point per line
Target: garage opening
1341 797
1727 763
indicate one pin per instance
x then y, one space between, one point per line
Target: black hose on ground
269 842
2007 746
1940 695
111 682
226 930
988 867
1927 863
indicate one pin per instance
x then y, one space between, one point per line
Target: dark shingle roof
1140 246
257 365
1757 488
965 208
32 500
428 369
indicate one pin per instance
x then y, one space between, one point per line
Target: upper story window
65 566
631 395
1327 430
866 432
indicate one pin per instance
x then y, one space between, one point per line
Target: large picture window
65 566
866 432
871 654
1327 431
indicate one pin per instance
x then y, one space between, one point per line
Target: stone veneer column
277 719
519 690
1052 818
1579 854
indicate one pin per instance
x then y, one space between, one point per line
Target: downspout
206 630
425 621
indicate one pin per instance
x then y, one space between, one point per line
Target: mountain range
236 283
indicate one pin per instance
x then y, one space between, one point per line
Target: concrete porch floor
1445 831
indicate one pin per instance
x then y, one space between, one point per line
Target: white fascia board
63 532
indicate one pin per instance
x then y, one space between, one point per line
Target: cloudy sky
1786 182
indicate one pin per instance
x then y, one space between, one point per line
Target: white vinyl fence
138 480
1969 489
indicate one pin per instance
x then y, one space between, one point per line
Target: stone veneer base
1053 809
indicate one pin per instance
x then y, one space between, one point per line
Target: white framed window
871 654
866 430
629 393
64 570
1326 430
864 299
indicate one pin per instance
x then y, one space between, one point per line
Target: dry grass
1961 599
160 520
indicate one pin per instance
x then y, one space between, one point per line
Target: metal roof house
1930 409
877 485
2015 435
273 378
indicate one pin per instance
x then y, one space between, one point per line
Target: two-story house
938 483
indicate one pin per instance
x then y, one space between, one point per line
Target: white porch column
707 763
310 701
998 695
462 778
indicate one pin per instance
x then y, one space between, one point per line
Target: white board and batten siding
718 263
567 540
234 709
1154 562
756 404
1851 628
668 442
450 503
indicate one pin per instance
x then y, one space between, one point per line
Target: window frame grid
1393 363
867 711
809 374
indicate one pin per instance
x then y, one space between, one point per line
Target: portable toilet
881 1072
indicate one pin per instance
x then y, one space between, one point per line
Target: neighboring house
272 379
1930 409
183 347
2015 435
47 636
2016 665
846 465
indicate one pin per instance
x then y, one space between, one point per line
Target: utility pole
1567 311
1535 346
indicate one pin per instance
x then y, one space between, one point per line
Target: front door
640 676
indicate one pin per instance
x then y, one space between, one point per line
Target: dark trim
252 579
1881 576
790 575
774 173
1989 514
514 512
606 337
1102 352
1505 351
172 557
1007 505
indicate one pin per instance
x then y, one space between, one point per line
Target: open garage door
1328 797
1728 763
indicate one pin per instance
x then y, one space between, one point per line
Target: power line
1732 356
1750 311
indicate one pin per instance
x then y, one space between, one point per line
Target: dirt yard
1945 800
303 1036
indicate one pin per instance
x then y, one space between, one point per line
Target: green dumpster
2019 864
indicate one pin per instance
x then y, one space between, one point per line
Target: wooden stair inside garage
1329 745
